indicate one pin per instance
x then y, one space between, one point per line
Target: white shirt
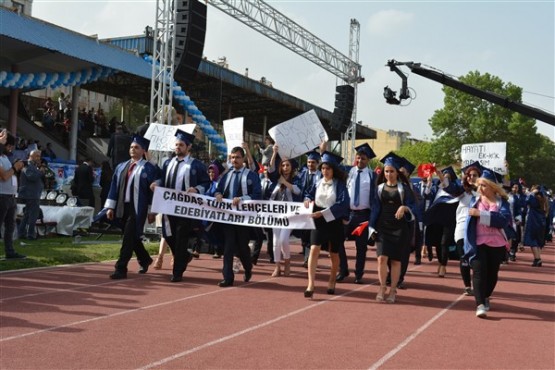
364 190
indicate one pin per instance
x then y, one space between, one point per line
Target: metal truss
163 63
276 26
349 137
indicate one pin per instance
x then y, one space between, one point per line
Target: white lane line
246 330
413 336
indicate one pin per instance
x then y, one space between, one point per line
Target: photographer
32 184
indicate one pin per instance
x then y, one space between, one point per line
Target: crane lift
404 93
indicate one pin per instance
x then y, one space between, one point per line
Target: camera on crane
390 96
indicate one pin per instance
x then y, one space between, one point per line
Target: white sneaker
481 311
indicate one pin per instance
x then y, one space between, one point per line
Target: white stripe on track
413 336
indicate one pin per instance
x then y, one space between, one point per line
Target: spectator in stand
32 184
83 183
266 152
48 151
48 104
63 102
48 119
112 124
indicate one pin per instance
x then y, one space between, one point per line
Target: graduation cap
331 158
315 156
408 166
186 137
393 160
492 176
451 172
476 165
144 143
366 150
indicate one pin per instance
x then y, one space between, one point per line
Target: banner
65 172
162 137
258 213
299 135
490 155
233 131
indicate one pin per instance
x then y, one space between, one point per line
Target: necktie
130 170
236 184
174 175
310 180
356 201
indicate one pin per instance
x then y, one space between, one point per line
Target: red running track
74 317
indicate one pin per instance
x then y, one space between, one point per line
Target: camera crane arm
486 95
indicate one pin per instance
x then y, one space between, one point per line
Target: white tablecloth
68 218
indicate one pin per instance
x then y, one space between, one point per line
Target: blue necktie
236 184
356 201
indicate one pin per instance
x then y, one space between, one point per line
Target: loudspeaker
190 34
344 104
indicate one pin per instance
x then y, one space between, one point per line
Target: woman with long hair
465 193
536 218
485 242
392 207
331 209
286 190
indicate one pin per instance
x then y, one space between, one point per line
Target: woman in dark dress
392 209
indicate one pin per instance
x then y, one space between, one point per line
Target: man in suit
184 173
307 178
83 183
361 184
238 184
129 201
31 186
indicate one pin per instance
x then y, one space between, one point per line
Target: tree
467 119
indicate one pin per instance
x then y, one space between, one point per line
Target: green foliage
135 116
467 119
54 251
417 153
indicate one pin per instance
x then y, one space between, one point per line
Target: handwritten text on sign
260 213
490 155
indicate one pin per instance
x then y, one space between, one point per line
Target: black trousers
236 244
131 242
485 267
181 229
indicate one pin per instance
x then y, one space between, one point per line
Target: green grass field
53 251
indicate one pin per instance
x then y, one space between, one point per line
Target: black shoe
401 285
308 293
358 281
330 291
15 256
512 258
117 275
418 261
254 261
341 276
176 279
225 283
144 268
248 275
305 264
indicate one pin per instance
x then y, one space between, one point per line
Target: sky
513 40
